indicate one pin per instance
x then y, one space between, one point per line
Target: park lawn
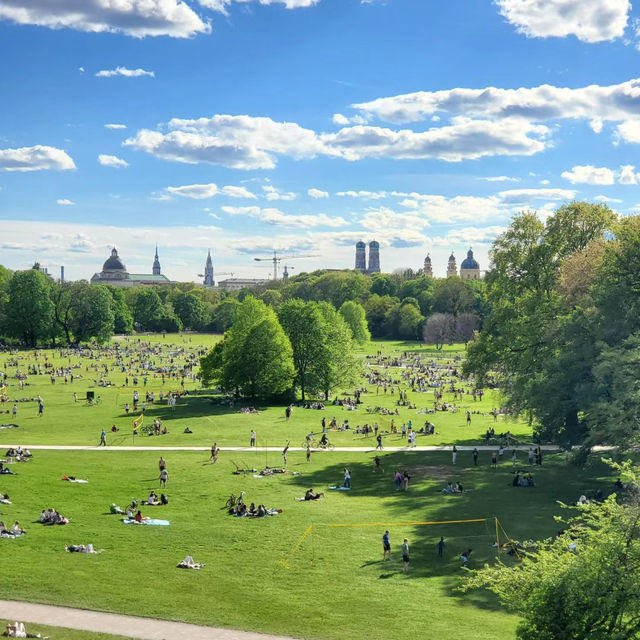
78 423
62 633
245 583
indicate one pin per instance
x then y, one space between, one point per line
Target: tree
224 315
122 318
439 329
91 314
305 327
62 296
410 322
355 317
148 309
466 326
582 584
378 309
191 310
453 296
338 366
29 310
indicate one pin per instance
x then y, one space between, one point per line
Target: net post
497 536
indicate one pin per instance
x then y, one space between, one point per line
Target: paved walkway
370 449
130 626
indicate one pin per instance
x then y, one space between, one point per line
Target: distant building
115 273
208 272
427 271
37 267
235 284
452 270
374 257
470 269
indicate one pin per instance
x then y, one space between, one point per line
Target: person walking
164 476
15 410
514 457
454 454
379 441
469 417
162 464
347 478
103 439
494 459
441 546
386 546
308 453
40 408
475 456
405 556
253 438
284 453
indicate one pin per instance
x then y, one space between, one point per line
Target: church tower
208 271
361 257
427 271
156 264
374 257
452 270
470 269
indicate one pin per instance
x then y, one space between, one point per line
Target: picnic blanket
151 521
340 488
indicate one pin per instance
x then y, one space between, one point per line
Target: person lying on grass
310 495
6 470
454 488
81 548
17 630
113 508
267 471
51 516
188 563
4 498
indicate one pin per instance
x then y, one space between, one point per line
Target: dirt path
131 626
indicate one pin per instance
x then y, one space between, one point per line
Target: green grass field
335 583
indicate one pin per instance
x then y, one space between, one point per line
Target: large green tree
355 317
91 313
29 310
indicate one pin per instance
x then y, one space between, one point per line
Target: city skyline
306 125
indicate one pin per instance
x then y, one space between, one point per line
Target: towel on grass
151 521
340 488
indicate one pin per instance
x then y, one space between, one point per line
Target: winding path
130 626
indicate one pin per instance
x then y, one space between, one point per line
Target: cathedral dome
113 263
360 245
469 262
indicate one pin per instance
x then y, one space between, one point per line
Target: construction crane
276 258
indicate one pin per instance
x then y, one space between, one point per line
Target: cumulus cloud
627 174
607 199
522 196
115 126
469 236
137 18
271 193
500 179
370 195
36 158
629 131
588 20
202 191
317 193
278 218
616 102
588 174
123 71
112 161
65 202
222 5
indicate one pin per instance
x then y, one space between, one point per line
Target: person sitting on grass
6 470
310 495
80 548
188 563
139 518
17 630
465 557
163 499
152 499
51 517
448 488
115 509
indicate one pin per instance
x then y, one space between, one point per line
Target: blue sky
305 125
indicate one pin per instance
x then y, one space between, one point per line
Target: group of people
13 531
51 516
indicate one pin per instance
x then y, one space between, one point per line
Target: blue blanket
160 523
340 488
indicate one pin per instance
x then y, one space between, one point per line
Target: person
465 557
103 439
386 546
379 441
530 455
405 556
324 440
164 476
139 517
310 495
284 453
15 410
40 408
162 465
398 480
216 452
287 412
475 456
405 480
500 453
494 459
514 457
308 453
213 452
441 546
347 478
454 454
376 462
469 417
253 438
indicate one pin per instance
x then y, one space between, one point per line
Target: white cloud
271 193
629 131
588 20
522 196
545 182
627 175
469 236
221 5
277 217
137 18
65 202
607 199
588 174
36 158
370 195
317 193
615 102
342 120
202 191
123 71
112 161
500 179
115 126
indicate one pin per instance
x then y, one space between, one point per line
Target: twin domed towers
469 269
374 257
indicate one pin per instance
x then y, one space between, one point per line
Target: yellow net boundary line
402 524
285 561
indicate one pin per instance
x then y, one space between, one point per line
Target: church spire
156 264
208 271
